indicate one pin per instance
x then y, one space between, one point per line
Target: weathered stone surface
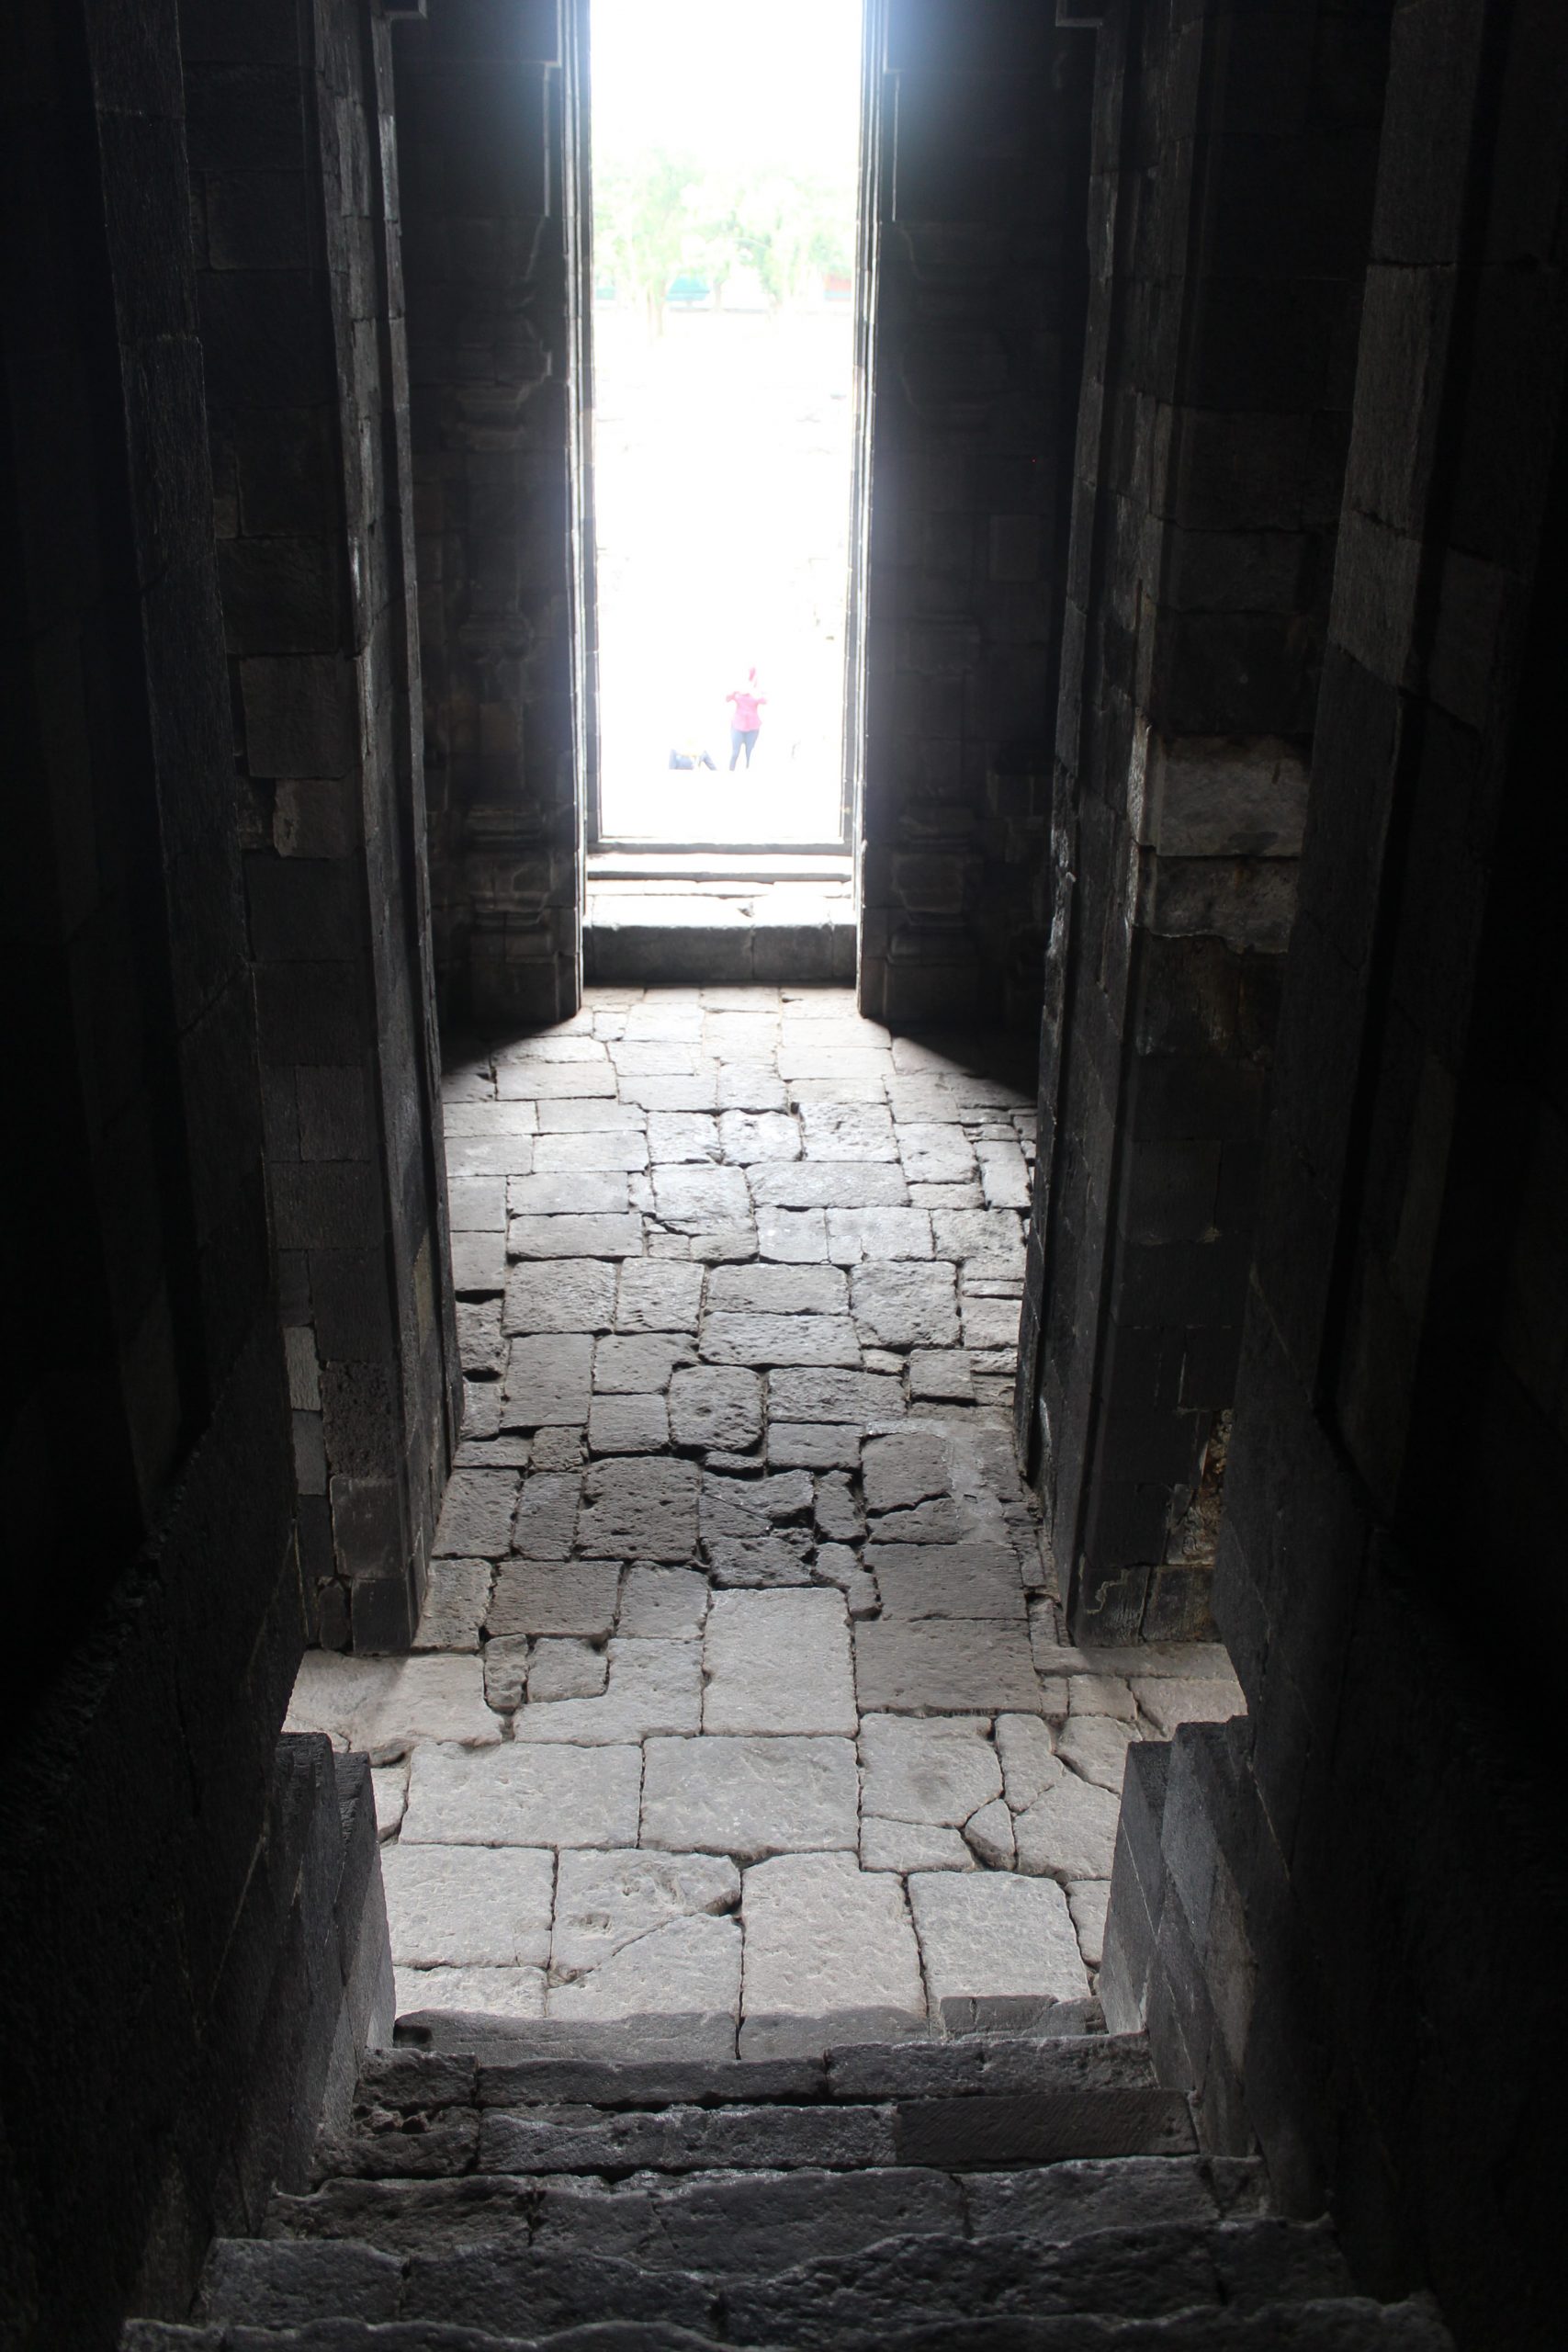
839 1515
1089 1899
750 1506
988 1323
997 1949
641 1509
840 1563
565 1667
604 1901
694 1199
479 1262
1029 1760
814 1445
468 1906
627 1425
757 1562
453 1608
989 1237
956 1665
390 1790
658 1296
748 1136
600 1191
906 1303
854 1234
829 1396
792 1236
578 1295
506 1671
949 1580
555 1597
595 1151
750 1797
385 1706
934 1155
942 1374
778 1290
936 1522
1168 1701
778 1662
527 1794
686 1971
779 1339
848 1131
831 1957
938 1771
482 1992
1103 1694
904 1469
576 1237
683 1135
833 1184
663 1604
1096 1747
477 1514
547 1516
911 1846
552 1449
714 1405
990 1833
549 1379
1069 1831
653 1686
638 1366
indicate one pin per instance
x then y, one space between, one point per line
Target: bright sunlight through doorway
724 159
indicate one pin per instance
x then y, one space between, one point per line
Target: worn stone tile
1069 1831
990 1833
1168 1701
556 1449
481 1991
837 1512
833 1396
525 1793
1029 1759
989 1237
905 1469
384 1707
814 1445
1096 1747
573 1295
563 1667
778 1662
697 1200
663 1604
722 1243
845 1131
640 1364
829 1184
576 1237
586 1116
857 1233
943 1580
1004 1178
628 1425
658 1297
549 1380
657 1057
642 1509
683 1979
911 1846
714 1405
605 1901
506 1671
477 1514
749 1086
944 1665
454 1607
464 1907
480 1342
747 1506
837 1564
831 1957
565 1044
946 1196
938 1769
488 1118
779 1339
481 1420
675 1136
934 1154
1103 1694
998 1950
793 1237
547 1516
698 1093
653 1686
906 1303
547 1081
477 1204
750 1797
565 1596
989 1323
808 1289
1089 1899
748 1136
940 1375
390 1790
582 1192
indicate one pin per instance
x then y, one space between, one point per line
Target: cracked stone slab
506 1671
468 1906
1096 1747
831 1957
906 1846
525 1793
778 1290
643 1509
574 1295
1069 1831
605 1901
909 1303
998 1950
453 1610
1029 1760
653 1686
684 1975
385 1706
991 1834
657 1295
945 1666
938 1769
478 1992
839 1515
716 1406
780 1339
905 1469
778 1662
750 1506
554 1597
750 1797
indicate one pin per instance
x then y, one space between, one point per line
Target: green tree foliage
656 214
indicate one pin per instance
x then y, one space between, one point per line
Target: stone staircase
1019 2196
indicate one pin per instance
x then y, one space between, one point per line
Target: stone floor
741 1716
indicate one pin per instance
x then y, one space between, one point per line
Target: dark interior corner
1207 736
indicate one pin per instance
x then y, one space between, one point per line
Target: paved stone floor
740 1715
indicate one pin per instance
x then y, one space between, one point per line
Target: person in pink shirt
745 721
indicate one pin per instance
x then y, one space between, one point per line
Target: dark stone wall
1229 209
979 188
1344 1918
482 137
295 209
154 1612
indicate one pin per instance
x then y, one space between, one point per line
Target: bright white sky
762 80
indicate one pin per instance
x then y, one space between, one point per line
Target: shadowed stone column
293 170
1230 202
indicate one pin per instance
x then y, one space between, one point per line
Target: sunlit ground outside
724 166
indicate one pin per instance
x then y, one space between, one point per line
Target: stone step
860 2298
769 2221
1348 2323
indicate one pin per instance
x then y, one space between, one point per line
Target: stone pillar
294 181
984 114
1230 203
482 137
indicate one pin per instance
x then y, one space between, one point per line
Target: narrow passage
742 1719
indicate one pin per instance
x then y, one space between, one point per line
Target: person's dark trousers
739 736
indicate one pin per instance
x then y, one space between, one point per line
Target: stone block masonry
741 1721
302 339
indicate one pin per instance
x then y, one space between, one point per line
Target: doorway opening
726 299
